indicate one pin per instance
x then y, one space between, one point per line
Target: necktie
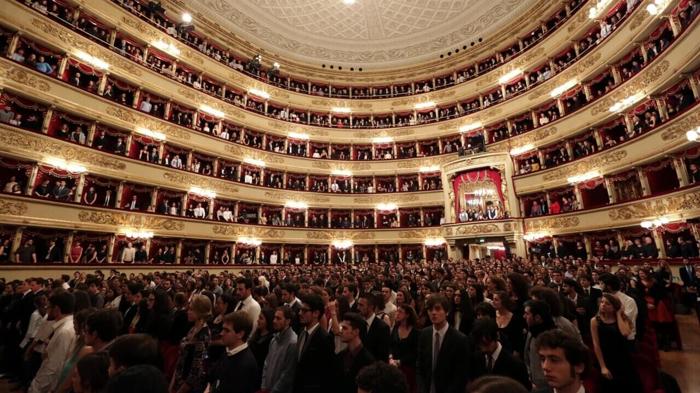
239 306
436 352
302 342
489 363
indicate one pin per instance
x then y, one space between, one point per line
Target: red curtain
84 68
474 176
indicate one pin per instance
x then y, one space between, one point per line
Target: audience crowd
491 325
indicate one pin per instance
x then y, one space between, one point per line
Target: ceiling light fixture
341 109
341 172
429 169
532 236
655 223
187 17
693 135
595 10
470 127
434 241
62 164
657 7
624 103
348 2
212 111
167 47
382 139
159 136
387 207
583 177
424 105
342 244
203 192
134 234
249 241
296 205
563 88
516 151
254 161
298 135
509 76
92 60
259 93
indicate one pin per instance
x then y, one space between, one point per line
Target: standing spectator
314 372
244 290
610 329
378 337
278 371
353 358
260 341
237 372
61 306
564 360
492 358
189 371
538 319
441 365
381 378
611 283
404 343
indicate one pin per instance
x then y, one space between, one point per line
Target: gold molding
131 220
194 180
552 223
586 166
13 208
234 230
668 205
23 77
679 128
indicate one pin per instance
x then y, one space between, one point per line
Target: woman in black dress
259 343
609 330
404 344
511 326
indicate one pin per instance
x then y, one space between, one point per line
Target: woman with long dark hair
510 325
609 330
462 315
404 343
259 342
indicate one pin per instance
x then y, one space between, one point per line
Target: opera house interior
225 188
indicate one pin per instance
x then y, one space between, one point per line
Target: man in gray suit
278 371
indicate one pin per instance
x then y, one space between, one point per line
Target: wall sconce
424 105
254 161
342 244
92 60
655 223
167 47
387 207
583 177
141 235
296 205
65 165
212 111
259 93
249 241
203 192
532 236
507 77
434 241
159 136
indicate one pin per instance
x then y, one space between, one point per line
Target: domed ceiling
375 34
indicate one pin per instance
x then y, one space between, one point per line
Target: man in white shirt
244 290
146 106
61 307
128 254
273 258
611 283
199 211
176 162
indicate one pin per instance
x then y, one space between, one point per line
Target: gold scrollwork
586 165
235 230
679 128
476 229
131 220
552 223
638 85
36 144
23 77
668 205
194 180
420 233
13 208
331 235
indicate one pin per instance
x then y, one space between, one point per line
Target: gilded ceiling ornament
39 144
13 208
23 77
185 179
667 205
586 165
680 127
551 223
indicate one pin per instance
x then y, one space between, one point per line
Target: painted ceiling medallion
371 33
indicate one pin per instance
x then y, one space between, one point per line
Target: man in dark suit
442 360
53 253
378 337
355 357
492 359
350 293
290 299
687 272
133 298
582 309
590 293
237 372
315 351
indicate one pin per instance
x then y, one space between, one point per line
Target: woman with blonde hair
189 374
609 330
